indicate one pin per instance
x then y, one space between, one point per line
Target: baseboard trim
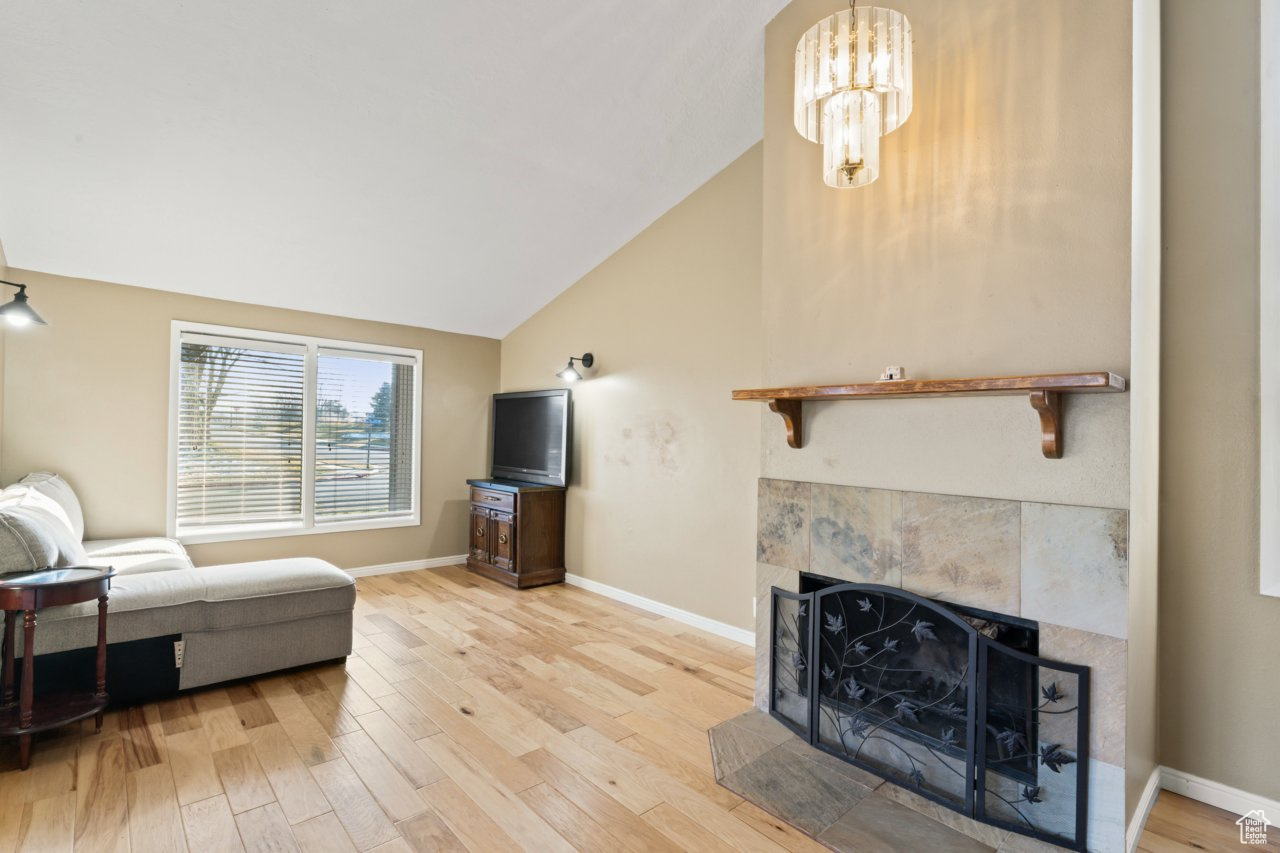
1234 800
408 566
1145 802
711 626
1207 791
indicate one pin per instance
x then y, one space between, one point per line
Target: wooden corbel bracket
1049 405
790 411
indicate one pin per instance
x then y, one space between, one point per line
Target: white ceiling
453 165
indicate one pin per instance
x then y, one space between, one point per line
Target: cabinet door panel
502 546
480 534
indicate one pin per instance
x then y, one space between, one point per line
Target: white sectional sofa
232 621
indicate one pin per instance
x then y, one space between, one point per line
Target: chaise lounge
171 625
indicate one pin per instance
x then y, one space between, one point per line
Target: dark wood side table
517 532
26 593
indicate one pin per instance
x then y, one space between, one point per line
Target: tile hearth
839 805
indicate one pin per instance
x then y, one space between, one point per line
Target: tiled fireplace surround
1066 567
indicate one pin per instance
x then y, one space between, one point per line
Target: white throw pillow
60 490
19 495
33 538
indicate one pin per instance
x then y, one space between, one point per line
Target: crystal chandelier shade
844 63
851 139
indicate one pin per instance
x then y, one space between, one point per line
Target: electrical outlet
177 653
892 374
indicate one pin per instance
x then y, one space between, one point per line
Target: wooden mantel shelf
1045 392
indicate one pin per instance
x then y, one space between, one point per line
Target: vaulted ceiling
453 165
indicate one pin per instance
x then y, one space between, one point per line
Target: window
274 435
364 435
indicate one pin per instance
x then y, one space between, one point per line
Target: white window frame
309 525
1269 286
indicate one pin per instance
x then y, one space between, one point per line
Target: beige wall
88 395
663 495
996 241
1220 678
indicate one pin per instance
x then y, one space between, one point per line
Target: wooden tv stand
517 532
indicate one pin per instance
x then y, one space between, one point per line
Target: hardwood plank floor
1178 824
469 717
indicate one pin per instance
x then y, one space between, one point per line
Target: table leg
28 685
102 656
10 619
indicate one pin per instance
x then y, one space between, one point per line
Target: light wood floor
469 717
1178 824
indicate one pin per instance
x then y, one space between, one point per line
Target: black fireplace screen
915 692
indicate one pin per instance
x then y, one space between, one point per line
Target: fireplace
951 702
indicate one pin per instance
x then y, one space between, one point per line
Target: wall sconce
18 312
570 373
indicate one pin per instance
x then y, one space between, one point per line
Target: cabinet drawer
504 501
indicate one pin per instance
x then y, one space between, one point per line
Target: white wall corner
1142 722
1139 821
1144 450
1269 286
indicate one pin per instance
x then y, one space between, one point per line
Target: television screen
531 436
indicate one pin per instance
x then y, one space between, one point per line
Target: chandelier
853 85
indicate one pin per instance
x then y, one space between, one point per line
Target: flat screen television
531 431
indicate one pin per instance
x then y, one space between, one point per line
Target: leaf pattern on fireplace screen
894 680
893 690
1045 799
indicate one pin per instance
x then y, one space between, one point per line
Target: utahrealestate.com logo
1253 827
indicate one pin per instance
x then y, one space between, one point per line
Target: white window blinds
291 435
240 431
364 435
